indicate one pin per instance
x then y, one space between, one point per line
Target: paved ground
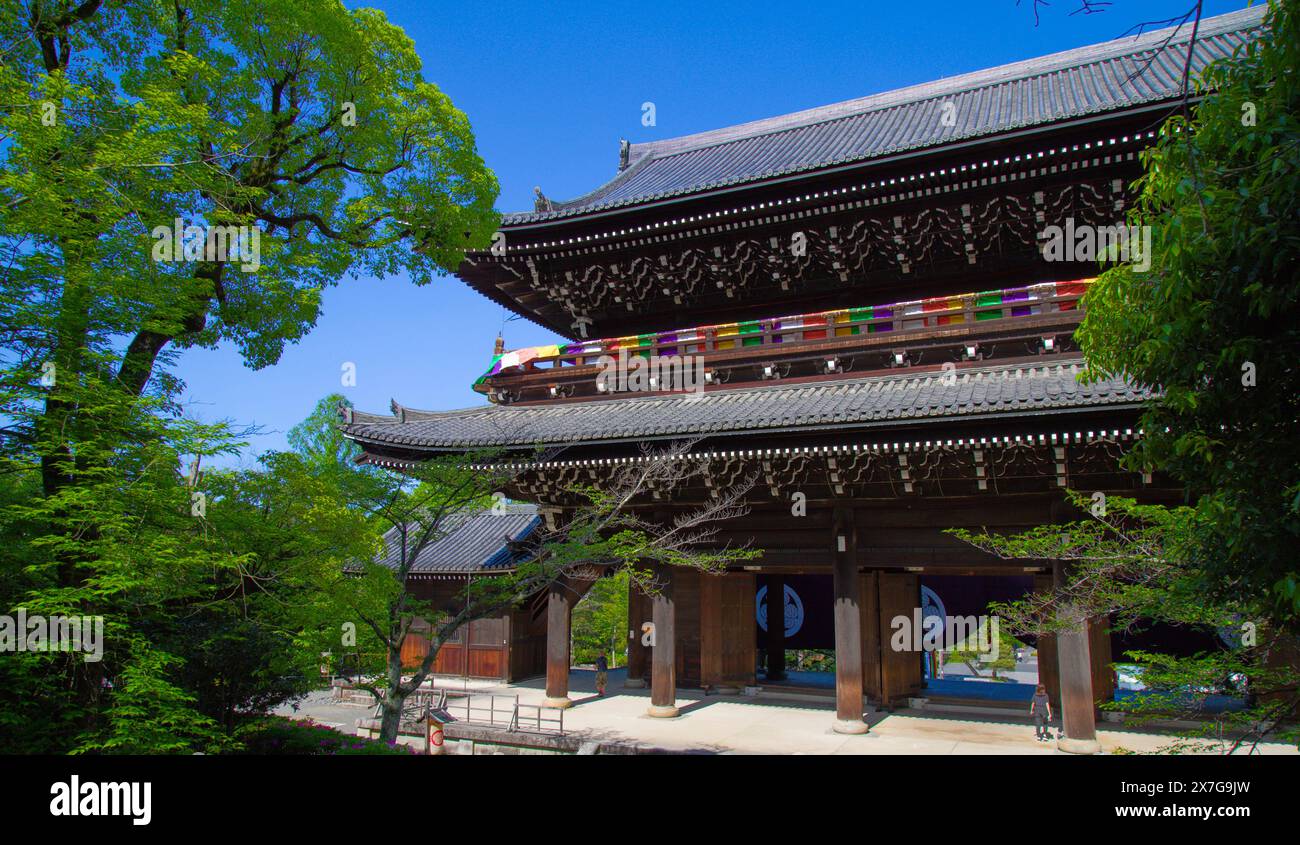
770 725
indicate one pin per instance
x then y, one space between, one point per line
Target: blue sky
550 89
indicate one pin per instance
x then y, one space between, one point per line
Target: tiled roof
1114 75
875 401
471 543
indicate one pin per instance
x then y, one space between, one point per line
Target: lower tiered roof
966 393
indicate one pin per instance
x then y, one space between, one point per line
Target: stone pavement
771 724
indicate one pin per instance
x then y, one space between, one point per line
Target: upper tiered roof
1114 75
926 191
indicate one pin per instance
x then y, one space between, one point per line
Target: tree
1135 564
176 175
988 647
414 508
1215 323
600 621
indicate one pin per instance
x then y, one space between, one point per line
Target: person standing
602 674
1041 709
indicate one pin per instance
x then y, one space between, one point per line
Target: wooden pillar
637 652
774 643
1099 653
1078 710
663 654
559 610
848 626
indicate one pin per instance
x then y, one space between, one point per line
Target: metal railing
539 721
470 708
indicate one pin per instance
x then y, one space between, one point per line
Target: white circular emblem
932 605
793 610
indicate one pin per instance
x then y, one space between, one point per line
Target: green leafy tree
175 175
414 508
1215 322
600 621
988 647
1133 565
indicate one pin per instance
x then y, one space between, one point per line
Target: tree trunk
391 711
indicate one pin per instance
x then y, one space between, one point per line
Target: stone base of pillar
557 702
850 726
1078 746
634 683
662 711
724 690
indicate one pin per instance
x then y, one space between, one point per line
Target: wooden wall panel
527 644
638 655
870 609
686 596
711 630
900 595
739 629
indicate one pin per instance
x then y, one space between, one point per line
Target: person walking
602 674
1041 709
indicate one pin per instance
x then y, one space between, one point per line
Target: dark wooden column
663 654
1099 652
1078 709
636 652
559 611
848 625
775 642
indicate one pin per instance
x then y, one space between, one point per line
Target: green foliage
218 590
600 621
1215 322
1133 565
976 648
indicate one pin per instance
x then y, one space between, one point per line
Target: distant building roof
472 543
1110 76
990 391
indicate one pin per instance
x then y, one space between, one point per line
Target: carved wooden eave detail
939 469
827 248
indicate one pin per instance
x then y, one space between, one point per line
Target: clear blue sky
550 89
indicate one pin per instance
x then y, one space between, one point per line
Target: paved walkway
766 724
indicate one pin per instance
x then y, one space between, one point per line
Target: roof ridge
1138 89
1040 66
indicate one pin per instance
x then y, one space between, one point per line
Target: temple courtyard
769 722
